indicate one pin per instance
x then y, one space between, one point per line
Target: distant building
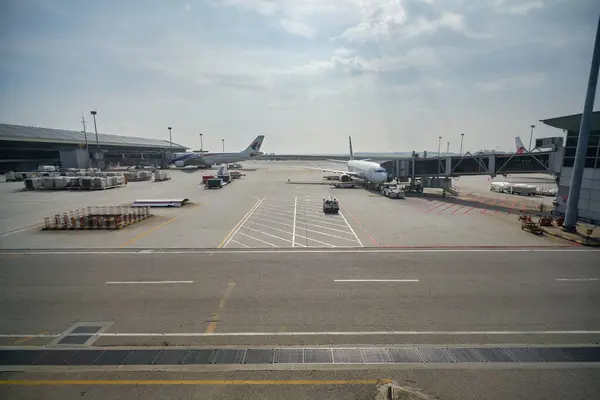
589 201
23 148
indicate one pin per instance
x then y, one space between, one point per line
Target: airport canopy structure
26 147
573 122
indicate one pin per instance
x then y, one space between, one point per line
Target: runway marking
267 382
294 223
376 280
354 233
145 282
141 235
258 240
268 234
241 244
578 279
232 232
213 324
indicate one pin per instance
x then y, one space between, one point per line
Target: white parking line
243 220
357 239
315 240
276 208
270 227
322 220
278 213
331 229
258 240
271 222
376 280
578 279
328 234
268 234
241 244
144 282
294 223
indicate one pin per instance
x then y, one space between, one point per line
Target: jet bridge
544 162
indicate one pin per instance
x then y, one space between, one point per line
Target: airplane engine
345 178
179 164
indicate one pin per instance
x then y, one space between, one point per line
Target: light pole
223 141
531 137
448 148
201 145
439 145
170 139
462 136
87 148
96 130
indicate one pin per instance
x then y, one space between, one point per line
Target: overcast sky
394 74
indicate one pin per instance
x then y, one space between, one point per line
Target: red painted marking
463 206
359 224
444 209
492 202
439 204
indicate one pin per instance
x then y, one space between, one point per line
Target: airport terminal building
23 148
589 201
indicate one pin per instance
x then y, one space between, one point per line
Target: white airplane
208 159
369 171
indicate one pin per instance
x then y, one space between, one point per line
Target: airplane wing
335 171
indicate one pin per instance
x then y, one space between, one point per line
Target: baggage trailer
331 206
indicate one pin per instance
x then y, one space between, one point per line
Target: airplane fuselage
368 170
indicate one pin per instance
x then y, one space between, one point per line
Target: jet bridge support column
492 165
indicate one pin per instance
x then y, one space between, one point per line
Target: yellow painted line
59 382
213 324
240 222
26 338
141 235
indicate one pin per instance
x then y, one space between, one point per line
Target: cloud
516 7
343 52
298 28
353 64
187 7
512 83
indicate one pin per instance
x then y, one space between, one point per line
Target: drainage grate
434 355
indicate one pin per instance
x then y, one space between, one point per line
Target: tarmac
267 208
257 265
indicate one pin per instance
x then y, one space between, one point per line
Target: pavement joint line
213 324
171 382
324 333
236 228
147 232
257 239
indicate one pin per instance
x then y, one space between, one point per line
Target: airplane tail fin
350 143
520 146
254 147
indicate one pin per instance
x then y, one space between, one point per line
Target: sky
393 74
